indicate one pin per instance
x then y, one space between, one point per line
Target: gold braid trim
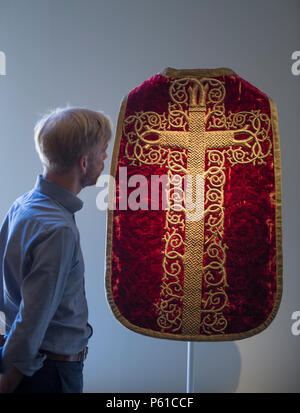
171 72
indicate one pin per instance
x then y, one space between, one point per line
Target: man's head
71 139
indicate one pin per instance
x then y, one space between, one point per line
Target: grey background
91 53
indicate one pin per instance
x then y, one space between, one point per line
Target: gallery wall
91 53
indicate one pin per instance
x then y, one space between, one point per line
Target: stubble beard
90 178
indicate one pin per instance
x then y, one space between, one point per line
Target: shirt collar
68 200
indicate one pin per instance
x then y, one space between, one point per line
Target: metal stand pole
190 379
2 323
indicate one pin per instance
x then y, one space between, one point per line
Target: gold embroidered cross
196 140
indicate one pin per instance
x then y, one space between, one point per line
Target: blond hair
63 135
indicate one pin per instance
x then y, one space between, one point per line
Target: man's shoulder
37 210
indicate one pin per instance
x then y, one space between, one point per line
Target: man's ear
83 163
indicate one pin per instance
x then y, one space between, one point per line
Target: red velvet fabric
249 225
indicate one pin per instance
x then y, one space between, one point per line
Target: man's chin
87 182
90 181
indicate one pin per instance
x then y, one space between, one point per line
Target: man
42 270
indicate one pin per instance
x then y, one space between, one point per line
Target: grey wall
91 53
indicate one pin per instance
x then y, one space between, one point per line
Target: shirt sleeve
41 293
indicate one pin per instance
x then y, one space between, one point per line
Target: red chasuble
194 221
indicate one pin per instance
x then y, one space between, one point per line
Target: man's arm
41 293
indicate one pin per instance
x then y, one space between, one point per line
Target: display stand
2 323
190 379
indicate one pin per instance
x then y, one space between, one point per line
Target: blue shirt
42 278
